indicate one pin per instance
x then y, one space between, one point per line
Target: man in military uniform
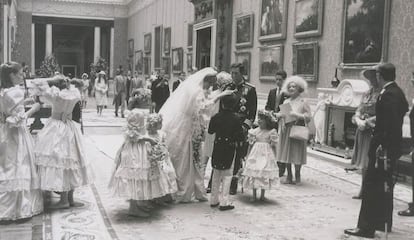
245 109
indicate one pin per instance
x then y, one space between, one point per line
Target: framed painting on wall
244 30
190 35
308 18
189 62
203 10
273 19
166 65
147 43
366 28
147 66
177 60
244 58
270 61
131 47
157 47
306 60
167 40
139 61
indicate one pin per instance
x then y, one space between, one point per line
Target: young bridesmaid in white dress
60 157
20 194
260 171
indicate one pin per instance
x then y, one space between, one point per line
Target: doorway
204 40
203 50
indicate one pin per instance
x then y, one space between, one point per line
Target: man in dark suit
178 81
245 109
384 151
274 100
409 212
160 92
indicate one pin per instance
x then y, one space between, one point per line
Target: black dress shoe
233 192
214 205
208 190
357 197
360 232
228 207
407 213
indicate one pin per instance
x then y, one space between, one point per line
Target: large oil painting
308 18
305 60
244 31
244 58
273 19
270 61
139 62
366 31
167 40
147 43
157 46
177 60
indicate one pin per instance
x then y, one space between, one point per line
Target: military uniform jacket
246 106
229 132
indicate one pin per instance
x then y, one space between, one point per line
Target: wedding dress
185 128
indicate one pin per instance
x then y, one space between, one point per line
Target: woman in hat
100 92
364 119
85 87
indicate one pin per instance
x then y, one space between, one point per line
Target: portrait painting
244 31
147 66
167 40
203 10
305 60
131 47
177 60
147 43
270 61
308 18
139 62
273 19
190 35
189 61
166 65
365 33
157 46
244 58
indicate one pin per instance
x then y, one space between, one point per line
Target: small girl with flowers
260 171
160 158
134 177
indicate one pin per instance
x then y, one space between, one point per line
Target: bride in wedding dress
185 127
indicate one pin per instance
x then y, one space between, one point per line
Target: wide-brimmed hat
85 75
102 73
370 74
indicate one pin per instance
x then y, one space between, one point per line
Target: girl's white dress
100 93
261 169
20 194
60 156
138 177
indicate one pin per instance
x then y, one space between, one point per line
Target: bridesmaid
20 194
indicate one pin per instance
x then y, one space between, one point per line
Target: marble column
49 40
97 44
111 53
5 33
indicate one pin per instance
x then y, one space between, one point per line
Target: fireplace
333 117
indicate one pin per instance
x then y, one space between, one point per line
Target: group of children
55 162
143 171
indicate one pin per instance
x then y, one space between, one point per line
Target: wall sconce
335 81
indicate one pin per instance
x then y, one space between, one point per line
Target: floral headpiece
267 116
135 124
153 120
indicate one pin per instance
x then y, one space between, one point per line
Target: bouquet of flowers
157 154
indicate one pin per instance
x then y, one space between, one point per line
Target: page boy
229 132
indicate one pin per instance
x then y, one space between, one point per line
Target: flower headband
153 120
267 115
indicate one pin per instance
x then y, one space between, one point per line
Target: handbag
299 132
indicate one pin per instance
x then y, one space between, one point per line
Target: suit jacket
160 93
271 100
120 84
390 109
228 132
